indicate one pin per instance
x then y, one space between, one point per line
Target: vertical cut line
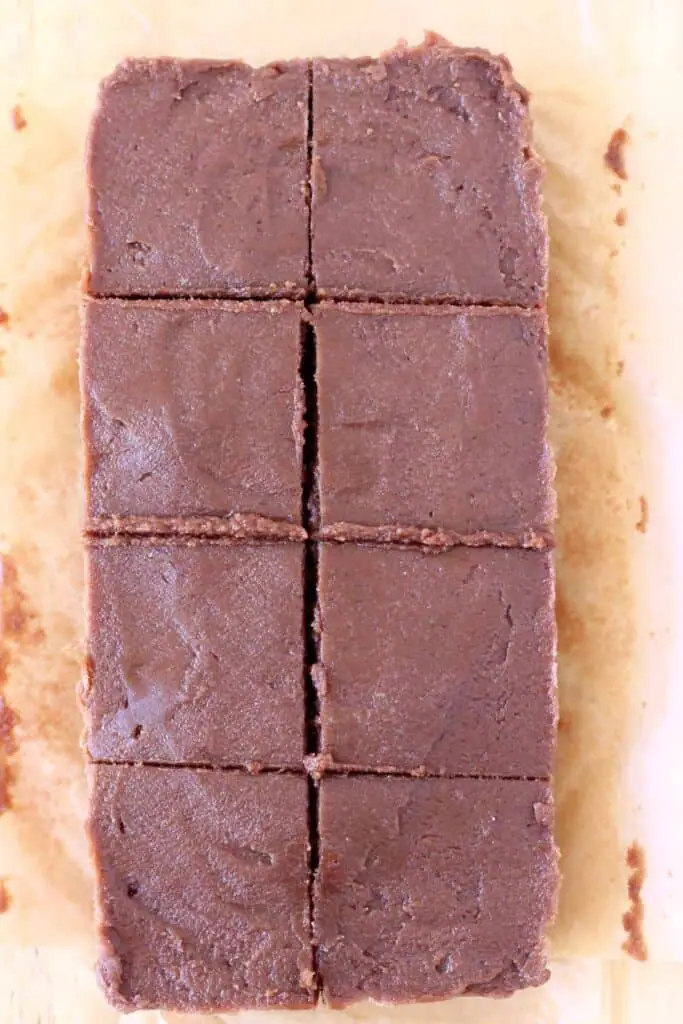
313 863
310 505
310 275
311 620
309 519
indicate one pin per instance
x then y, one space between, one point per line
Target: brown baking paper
616 311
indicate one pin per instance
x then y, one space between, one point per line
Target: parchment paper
617 425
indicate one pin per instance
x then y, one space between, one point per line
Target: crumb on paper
19 121
4 318
642 524
634 944
8 745
18 630
607 411
572 633
8 720
6 784
17 617
615 154
621 217
616 187
620 368
572 370
4 897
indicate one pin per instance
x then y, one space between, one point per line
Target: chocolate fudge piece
197 180
195 654
192 409
443 663
434 419
429 888
424 183
202 886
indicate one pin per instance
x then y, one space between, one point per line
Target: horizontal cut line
247 529
231 527
131 540
312 297
428 539
386 773
248 768
368 299
296 296
315 772
322 767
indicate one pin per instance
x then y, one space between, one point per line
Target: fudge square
431 888
424 184
433 417
195 653
439 663
202 888
192 408
197 180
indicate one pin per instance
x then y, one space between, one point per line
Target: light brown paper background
616 295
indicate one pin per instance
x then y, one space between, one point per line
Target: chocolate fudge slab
195 654
434 418
424 184
202 888
438 663
192 408
197 180
432 888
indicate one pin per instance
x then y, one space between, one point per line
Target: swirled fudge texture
202 884
197 180
438 663
436 418
432 888
195 654
192 408
424 182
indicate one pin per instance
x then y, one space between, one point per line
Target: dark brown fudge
439 663
192 408
195 654
197 180
202 883
424 183
429 888
434 419
431 433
